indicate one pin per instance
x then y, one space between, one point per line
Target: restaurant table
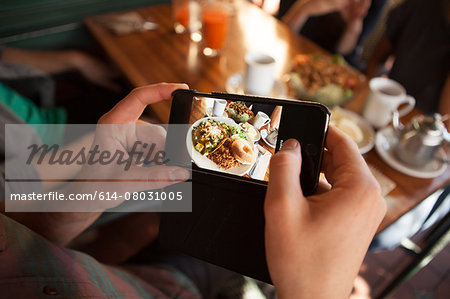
161 55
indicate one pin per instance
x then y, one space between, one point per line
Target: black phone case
226 225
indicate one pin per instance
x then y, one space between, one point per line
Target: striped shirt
33 267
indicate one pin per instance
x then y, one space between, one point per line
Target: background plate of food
325 79
356 127
219 144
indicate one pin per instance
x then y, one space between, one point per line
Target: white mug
260 120
219 107
385 96
259 74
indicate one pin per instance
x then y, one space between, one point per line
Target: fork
252 170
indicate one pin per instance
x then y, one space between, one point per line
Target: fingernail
179 174
290 144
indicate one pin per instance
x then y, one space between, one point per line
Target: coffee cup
259 74
385 96
219 107
260 120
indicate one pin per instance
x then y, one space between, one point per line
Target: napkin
125 23
386 184
262 163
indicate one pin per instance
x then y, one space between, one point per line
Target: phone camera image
233 137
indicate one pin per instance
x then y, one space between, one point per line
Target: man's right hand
315 245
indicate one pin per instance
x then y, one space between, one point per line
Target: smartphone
234 136
228 141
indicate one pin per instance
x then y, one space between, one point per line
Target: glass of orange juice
187 18
215 23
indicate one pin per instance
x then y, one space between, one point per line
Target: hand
321 7
301 10
120 130
315 245
355 11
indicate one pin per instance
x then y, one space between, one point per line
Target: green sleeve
31 114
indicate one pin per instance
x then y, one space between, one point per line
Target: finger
155 177
341 148
284 192
131 107
343 163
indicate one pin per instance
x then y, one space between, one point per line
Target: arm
52 62
297 15
62 227
315 245
444 102
383 51
275 117
353 14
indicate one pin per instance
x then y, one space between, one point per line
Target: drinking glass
215 23
187 18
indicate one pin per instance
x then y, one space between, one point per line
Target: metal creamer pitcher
420 139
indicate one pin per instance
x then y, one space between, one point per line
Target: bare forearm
350 37
297 15
48 61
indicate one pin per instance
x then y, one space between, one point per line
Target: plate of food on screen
219 144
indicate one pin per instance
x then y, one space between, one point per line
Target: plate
263 136
203 162
367 140
335 81
235 84
385 142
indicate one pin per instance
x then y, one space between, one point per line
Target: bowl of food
325 79
252 132
220 144
239 112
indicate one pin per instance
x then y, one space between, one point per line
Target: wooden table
163 56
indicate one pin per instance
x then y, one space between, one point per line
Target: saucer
385 141
263 136
235 84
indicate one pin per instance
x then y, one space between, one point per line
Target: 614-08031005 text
99 195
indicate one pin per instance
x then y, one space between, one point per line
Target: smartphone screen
236 135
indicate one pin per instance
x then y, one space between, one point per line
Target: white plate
385 142
368 141
263 136
204 162
235 84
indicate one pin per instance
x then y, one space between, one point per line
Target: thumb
284 192
155 177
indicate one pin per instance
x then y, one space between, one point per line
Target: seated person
33 253
335 25
417 37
